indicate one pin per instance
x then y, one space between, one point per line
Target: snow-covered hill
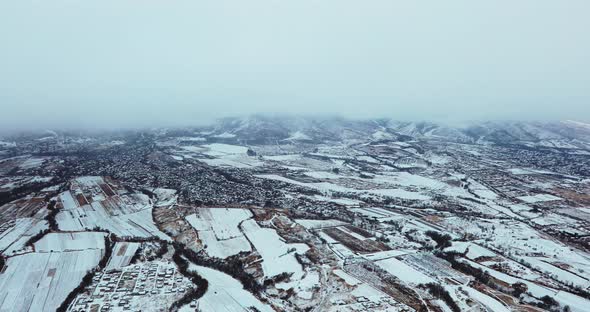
296 129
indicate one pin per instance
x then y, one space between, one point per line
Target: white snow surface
487 301
122 254
14 238
225 294
136 224
331 187
538 198
277 255
220 149
225 135
59 242
218 230
298 136
404 272
40 281
318 224
474 251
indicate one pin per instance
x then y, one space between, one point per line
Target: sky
72 63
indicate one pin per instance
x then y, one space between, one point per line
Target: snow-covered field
218 229
340 201
474 251
522 241
318 224
60 242
32 162
14 238
277 256
121 256
404 272
576 303
538 198
224 294
219 154
379 213
327 187
490 303
41 281
218 149
12 182
544 264
68 200
137 224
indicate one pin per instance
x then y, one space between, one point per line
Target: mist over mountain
283 128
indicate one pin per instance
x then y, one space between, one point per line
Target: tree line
50 217
183 268
232 266
440 292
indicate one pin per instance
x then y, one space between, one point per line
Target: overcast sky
136 63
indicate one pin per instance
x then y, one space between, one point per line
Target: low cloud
125 64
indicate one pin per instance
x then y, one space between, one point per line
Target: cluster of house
120 290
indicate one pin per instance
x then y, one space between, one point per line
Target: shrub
440 292
53 226
479 274
442 241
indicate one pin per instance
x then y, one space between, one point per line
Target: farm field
98 205
135 224
17 233
122 254
225 294
48 279
277 256
218 229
